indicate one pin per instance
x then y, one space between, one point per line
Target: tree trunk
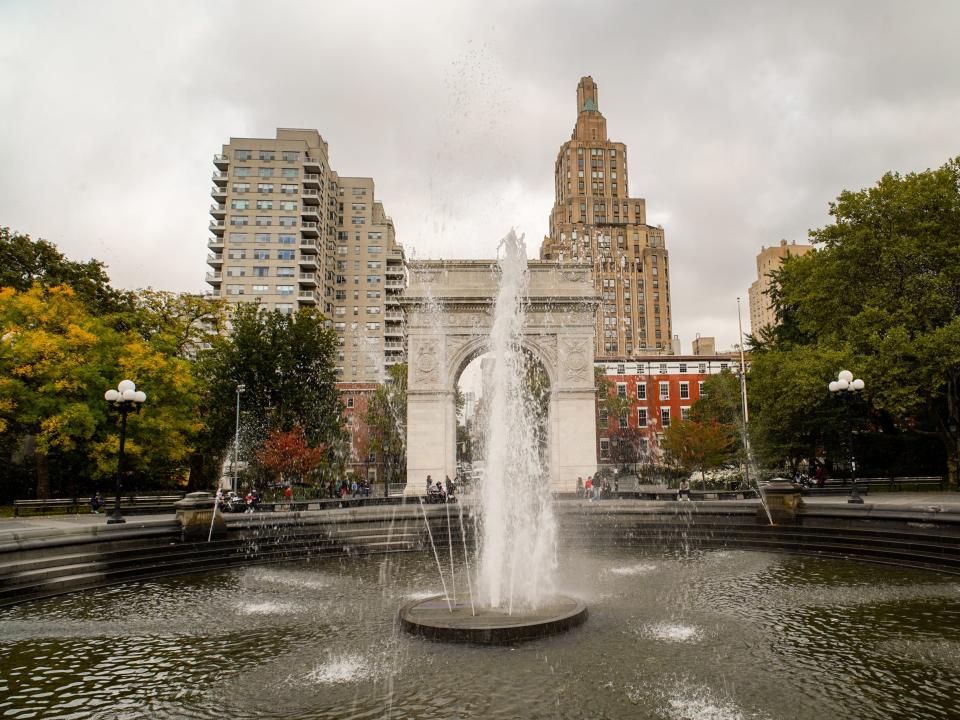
703 479
953 461
43 475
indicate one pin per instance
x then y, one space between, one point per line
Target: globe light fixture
126 399
846 387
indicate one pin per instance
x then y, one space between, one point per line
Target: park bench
866 485
129 504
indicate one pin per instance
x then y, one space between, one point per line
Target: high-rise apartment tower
595 220
769 260
288 231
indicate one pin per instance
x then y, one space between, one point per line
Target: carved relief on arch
577 365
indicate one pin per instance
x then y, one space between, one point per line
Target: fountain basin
432 618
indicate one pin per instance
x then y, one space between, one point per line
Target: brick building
355 396
661 390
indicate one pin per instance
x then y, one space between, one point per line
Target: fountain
516 596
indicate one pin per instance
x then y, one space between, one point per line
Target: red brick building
355 396
661 390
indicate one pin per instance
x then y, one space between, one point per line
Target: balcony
310 230
393 331
393 345
311 180
308 279
308 246
307 296
221 161
309 263
392 300
312 166
217 227
218 211
311 197
311 213
393 316
215 260
215 278
395 285
215 243
395 271
220 178
218 193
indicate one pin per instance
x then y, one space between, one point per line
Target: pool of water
712 635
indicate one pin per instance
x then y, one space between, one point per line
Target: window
264 220
237 254
684 391
373 264
683 367
264 188
621 369
373 279
703 369
700 388
641 391
264 204
286 254
284 308
241 171
285 272
641 417
287 221
685 413
290 156
287 239
604 415
664 391
349 402
373 294
236 271
261 254
623 420
242 155
621 390
723 367
665 417
284 289
234 289
373 326
288 205
267 156
374 236
604 448
241 187
288 189
236 237
262 238
262 289
290 172
239 204
374 249
356 220
239 220
663 368
261 271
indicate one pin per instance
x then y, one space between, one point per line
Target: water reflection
698 635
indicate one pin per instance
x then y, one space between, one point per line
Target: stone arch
448 308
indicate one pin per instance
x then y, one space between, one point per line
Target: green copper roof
589 105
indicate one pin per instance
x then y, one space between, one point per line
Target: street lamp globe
845 375
126 398
857 384
111 395
126 385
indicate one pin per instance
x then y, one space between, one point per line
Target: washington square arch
449 307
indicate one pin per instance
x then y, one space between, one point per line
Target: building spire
587 95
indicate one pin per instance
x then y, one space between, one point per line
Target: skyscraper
595 220
769 259
292 232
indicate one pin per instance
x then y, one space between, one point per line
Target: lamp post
126 398
846 387
236 438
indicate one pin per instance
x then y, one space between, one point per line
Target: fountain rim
540 625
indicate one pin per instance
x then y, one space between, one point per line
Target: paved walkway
894 499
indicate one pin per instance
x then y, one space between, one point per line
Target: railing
311 177
214 259
218 208
214 242
221 159
220 176
308 277
310 226
394 285
215 190
214 276
307 295
393 315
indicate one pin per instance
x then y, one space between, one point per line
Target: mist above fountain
515 596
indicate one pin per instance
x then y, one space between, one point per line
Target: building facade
363 462
661 390
288 232
769 260
595 220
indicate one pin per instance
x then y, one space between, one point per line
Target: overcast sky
742 120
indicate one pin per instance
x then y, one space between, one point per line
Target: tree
286 364
287 456
386 422
881 294
609 403
25 262
699 446
626 447
178 324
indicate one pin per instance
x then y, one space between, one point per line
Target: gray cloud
742 119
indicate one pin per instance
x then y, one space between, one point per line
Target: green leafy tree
25 262
386 422
286 364
881 297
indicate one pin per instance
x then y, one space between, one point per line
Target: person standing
579 486
588 488
429 484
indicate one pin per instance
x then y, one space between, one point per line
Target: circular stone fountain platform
432 618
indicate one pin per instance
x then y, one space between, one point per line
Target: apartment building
288 231
661 390
769 260
595 220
